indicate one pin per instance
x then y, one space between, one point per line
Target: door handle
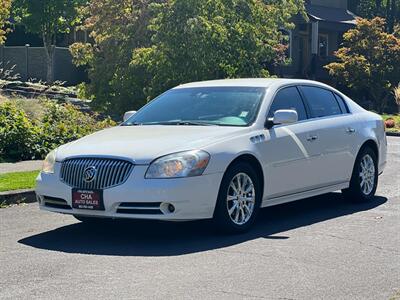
312 138
350 130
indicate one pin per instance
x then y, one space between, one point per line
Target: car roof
247 82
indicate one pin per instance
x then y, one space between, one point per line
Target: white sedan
219 149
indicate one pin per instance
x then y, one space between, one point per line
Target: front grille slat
103 177
79 173
110 172
74 172
117 172
121 172
101 173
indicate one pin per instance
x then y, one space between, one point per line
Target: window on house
323 45
287 42
80 36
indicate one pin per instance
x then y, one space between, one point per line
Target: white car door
334 134
289 152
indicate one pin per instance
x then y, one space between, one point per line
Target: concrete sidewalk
22 166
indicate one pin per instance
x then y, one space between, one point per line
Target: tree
47 18
368 62
176 41
389 9
117 27
5 6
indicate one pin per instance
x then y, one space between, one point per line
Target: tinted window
288 98
342 104
322 102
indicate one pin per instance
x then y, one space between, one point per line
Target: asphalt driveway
318 248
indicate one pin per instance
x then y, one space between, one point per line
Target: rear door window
322 102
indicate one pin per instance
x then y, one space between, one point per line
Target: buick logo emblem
89 174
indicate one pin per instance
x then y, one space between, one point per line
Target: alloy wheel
241 199
367 174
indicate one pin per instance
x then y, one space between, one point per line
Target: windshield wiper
195 123
179 122
131 124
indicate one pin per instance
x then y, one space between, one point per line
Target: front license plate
87 199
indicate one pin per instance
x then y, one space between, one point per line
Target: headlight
181 164
49 161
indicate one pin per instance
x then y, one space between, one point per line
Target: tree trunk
389 24
378 4
50 76
392 17
49 50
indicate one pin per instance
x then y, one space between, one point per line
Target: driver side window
288 98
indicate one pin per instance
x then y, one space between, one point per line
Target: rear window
322 102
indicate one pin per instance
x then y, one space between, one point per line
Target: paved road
318 248
28 165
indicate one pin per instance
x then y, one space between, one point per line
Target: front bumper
193 198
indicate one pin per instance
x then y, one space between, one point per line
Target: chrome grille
109 172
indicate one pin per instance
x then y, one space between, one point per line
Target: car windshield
224 106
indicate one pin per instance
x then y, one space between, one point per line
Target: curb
393 133
17 196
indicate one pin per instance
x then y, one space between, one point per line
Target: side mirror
282 116
129 114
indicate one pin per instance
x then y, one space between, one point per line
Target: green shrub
18 135
22 137
64 123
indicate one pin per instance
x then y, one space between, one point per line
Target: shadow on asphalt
144 238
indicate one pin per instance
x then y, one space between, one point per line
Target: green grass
396 119
17 180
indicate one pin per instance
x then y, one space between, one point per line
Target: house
312 43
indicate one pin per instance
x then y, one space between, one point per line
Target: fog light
171 208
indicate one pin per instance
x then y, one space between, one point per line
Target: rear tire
239 199
364 179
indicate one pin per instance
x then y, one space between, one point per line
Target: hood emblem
89 174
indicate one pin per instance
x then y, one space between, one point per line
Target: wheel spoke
245 183
247 208
230 198
232 185
248 189
242 214
249 199
232 209
239 185
237 215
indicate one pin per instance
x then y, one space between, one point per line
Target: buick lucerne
219 150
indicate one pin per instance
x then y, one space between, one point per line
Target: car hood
145 143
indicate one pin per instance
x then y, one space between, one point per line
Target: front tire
364 180
239 199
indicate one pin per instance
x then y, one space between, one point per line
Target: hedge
24 137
